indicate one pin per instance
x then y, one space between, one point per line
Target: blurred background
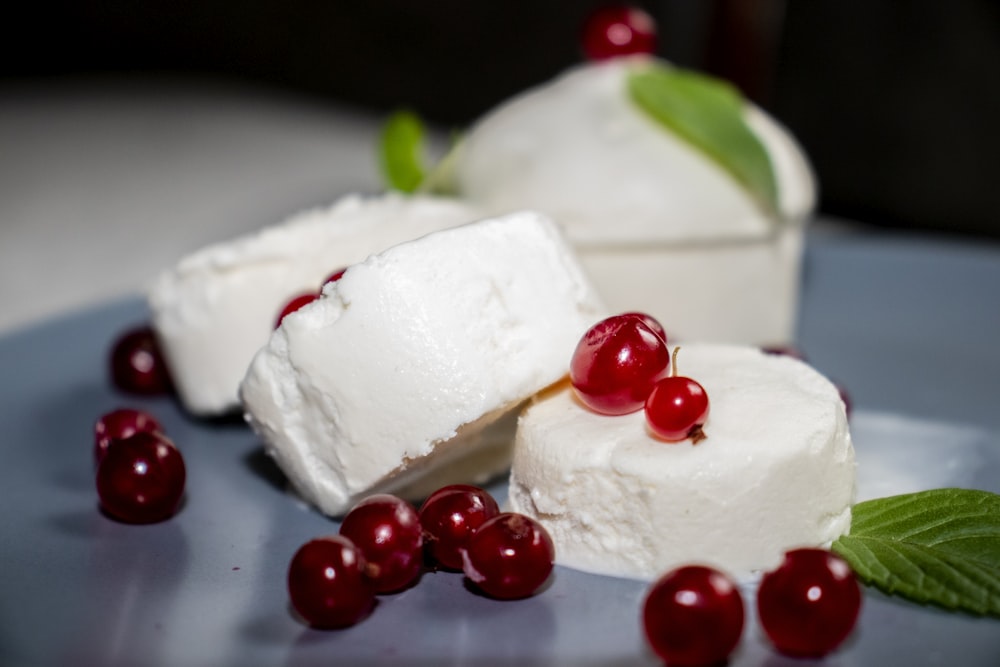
896 102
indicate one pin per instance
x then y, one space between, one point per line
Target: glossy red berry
137 365
450 516
327 583
294 304
141 478
616 364
677 408
650 322
693 615
387 531
118 424
618 31
809 604
510 556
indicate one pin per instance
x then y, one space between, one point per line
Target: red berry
616 364
334 277
510 556
387 531
118 424
450 516
677 408
618 31
141 478
294 304
327 583
693 615
137 365
784 351
810 603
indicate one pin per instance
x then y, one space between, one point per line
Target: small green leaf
939 547
708 113
401 151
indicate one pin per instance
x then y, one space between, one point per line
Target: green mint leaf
401 151
939 547
708 113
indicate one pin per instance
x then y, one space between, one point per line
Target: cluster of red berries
622 365
140 472
306 298
807 606
384 543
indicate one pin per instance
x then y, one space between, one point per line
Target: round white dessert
775 471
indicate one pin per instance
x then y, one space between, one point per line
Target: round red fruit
450 516
387 531
333 277
327 583
618 31
119 424
650 322
809 604
616 364
677 408
141 478
293 305
510 556
693 615
137 365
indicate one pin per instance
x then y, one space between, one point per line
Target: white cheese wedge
217 306
776 471
396 373
658 225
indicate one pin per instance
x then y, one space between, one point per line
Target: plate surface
908 326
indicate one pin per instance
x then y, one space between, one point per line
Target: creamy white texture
218 306
580 150
407 360
775 471
657 225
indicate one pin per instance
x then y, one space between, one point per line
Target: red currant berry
293 305
450 516
677 408
387 531
616 364
510 556
327 583
693 615
137 365
118 424
141 478
785 351
810 603
618 31
334 277
650 322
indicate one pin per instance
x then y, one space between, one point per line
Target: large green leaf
708 113
401 151
940 547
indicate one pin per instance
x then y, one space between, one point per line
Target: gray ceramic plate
908 326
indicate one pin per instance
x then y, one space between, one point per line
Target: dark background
897 103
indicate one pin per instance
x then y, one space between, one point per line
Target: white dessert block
217 306
396 373
776 470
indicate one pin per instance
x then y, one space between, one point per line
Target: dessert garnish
387 531
617 362
677 407
137 365
693 615
140 479
809 604
118 424
618 31
401 151
327 583
294 304
708 113
509 556
939 547
450 516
